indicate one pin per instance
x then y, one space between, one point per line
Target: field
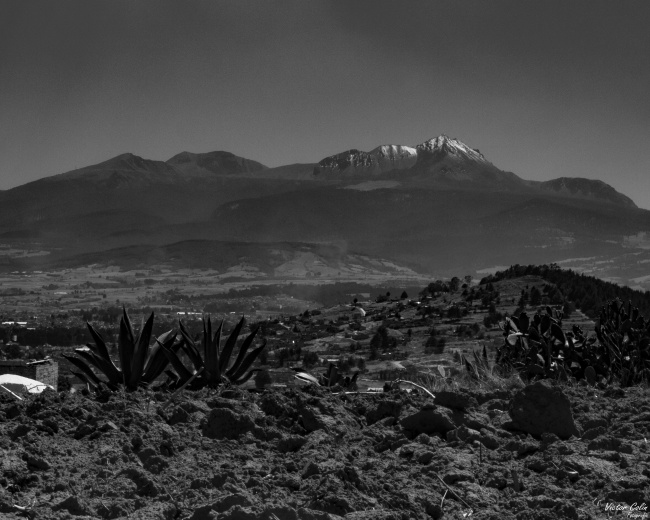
308 453
488 446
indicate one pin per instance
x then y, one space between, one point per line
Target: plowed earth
308 454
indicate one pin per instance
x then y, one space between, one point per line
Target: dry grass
487 381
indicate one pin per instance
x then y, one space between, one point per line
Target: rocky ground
308 454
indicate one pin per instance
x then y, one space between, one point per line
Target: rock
548 439
311 514
231 505
72 505
223 423
463 433
423 457
82 430
36 462
497 481
13 410
458 475
542 407
592 433
230 501
310 469
179 415
521 447
20 431
199 483
312 420
51 424
433 509
282 512
146 487
159 511
491 442
240 513
429 420
605 442
594 422
496 404
383 409
291 443
455 400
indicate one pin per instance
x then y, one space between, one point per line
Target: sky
542 89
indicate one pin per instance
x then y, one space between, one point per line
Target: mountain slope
214 163
587 188
437 207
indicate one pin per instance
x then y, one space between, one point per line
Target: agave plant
140 364
214 367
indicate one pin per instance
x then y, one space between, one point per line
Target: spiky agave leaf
140 352
245 377
82 377
100 345
243 350
224 356
126 347
157 361
211 353
110 370
85 369
113 375
189 348
246 364
182 372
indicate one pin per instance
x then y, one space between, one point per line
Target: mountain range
437 207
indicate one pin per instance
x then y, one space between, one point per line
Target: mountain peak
447 146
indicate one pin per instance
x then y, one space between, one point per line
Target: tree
535 296
454 284
404 296
14 351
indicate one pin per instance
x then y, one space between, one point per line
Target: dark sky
542 88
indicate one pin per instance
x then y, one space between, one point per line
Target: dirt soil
307 454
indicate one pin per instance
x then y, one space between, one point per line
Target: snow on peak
394 152
446 145
379 160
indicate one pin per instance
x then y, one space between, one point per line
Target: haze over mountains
436 207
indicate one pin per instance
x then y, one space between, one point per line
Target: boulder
429 420
455 400
542 407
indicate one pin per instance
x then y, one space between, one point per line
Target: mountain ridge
440 161
434 207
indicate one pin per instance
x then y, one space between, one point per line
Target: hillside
587 293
